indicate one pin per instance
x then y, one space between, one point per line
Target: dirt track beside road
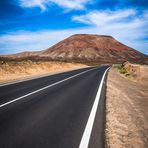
127 112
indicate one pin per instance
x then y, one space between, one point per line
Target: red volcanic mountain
86 48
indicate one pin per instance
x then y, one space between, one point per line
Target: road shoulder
126 113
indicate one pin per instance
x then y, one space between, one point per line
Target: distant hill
85 48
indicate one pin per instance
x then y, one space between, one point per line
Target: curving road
54 111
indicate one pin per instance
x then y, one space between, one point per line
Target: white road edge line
88 129
2 105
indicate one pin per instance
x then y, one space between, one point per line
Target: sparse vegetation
122 69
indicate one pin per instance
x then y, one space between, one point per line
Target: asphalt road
50 112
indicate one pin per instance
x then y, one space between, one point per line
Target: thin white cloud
101 18
43 4
33 3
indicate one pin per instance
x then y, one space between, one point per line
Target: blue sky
30 25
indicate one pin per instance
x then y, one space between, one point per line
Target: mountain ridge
86 48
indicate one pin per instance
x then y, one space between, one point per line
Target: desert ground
127 107
13 71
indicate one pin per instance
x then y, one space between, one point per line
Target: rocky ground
12 71
127 108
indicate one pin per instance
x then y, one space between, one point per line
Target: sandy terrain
12 71
127 111
139 73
